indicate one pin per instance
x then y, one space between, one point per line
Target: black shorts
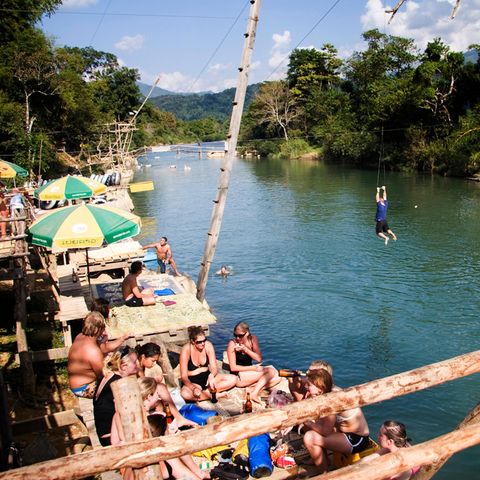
134 302
382 226
358 442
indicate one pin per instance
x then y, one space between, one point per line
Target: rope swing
381 161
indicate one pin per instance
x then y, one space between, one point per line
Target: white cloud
219 67
423 21
130 44
78 3
279 55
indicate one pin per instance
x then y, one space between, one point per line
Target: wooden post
141 453
20 312
129 405
227 165
166 366
5 425
428 471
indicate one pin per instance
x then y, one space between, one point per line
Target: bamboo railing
147 452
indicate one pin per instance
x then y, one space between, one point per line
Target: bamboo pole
227 165
405 458
428 471
140 454
129 405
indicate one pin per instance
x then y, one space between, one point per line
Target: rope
381 161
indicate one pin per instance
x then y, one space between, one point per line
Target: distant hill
202 105
157 91
470 56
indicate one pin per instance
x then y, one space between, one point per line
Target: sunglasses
239 335
199 342
124 351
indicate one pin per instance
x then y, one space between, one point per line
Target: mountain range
195 106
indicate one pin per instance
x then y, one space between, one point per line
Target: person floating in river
382 228
132 293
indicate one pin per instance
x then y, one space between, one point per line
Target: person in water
391 437
382 228
199 370
132 293
346 432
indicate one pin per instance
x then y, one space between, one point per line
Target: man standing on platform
164 255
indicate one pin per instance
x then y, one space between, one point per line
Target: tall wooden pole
232 138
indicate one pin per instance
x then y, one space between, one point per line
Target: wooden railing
148 452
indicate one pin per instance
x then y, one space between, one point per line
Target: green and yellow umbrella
83 226
10 170
69 188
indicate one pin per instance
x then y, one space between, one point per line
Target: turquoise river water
313 281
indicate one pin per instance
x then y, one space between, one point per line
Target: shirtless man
164 255
133 296
85 358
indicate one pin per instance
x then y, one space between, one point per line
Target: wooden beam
428 471
46 422
404 459
46 355
142 453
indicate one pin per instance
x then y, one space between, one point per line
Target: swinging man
382 227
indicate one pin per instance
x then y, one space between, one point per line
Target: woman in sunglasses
242 351
199 371
122 363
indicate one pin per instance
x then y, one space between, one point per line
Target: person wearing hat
133 294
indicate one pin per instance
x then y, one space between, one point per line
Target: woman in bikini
242 351
198 369
346 432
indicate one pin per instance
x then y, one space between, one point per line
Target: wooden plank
46 422
46 355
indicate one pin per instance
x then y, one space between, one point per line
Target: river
313 281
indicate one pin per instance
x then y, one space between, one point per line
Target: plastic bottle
247 406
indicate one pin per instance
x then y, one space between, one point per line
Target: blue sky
175 39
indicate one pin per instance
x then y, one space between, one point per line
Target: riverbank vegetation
65 99
410 109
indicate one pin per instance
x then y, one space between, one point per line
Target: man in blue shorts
382 228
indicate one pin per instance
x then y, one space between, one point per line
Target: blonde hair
321 365
244 326
147 385
119 357
93 324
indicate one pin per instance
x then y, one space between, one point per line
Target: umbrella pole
88 275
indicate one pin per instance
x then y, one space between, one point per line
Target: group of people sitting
95 363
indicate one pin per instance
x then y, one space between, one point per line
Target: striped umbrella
10 170
83 226
69 188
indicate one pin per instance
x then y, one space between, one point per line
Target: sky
196 45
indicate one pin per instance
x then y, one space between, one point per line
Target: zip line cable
100 21
325 15
380 161
218 47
